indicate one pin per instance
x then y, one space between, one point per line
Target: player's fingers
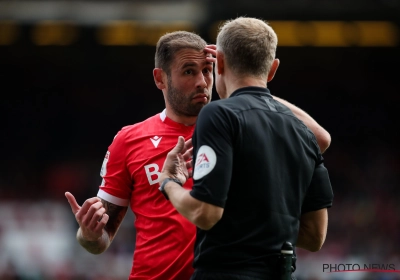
102 222
87 216
211 59
88 203
211 46
72 202
97 216
212 51
190 173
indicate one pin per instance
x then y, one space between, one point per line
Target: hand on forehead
211 53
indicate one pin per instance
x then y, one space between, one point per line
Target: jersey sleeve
116 186
213 144
319 194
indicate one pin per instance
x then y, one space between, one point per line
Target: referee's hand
178 161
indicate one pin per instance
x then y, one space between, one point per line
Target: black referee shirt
255 159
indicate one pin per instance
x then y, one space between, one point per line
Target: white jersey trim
163 115
113 199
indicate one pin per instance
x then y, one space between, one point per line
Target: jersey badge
205 162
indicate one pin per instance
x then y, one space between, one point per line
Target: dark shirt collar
252 90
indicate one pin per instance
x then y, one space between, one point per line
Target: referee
259 177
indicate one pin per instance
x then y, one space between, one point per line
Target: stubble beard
182 104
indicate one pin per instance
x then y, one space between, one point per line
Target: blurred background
72 73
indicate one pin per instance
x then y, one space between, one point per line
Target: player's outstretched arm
323 136
98 220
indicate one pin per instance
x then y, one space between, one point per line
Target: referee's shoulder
216 105
283 109
218 108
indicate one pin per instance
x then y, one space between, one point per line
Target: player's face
190 82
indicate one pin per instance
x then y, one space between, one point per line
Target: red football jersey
130 171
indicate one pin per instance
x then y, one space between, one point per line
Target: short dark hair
169 44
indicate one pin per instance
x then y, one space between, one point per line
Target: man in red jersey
133 163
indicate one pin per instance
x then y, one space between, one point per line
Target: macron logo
156 140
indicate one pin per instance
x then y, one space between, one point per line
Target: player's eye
189 72
207 70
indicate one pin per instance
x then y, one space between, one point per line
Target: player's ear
272 71
220 66
160 78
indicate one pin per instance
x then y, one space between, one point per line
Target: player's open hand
91 217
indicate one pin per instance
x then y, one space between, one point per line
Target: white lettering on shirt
152 173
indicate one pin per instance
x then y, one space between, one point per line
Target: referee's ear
272 71
220 65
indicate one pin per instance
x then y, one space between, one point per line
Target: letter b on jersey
152 173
